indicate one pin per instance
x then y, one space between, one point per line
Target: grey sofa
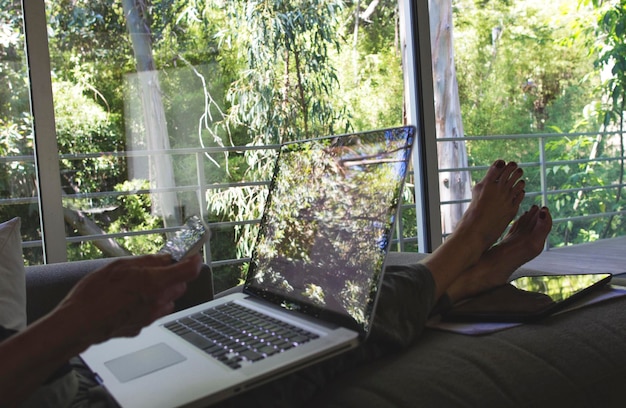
576 359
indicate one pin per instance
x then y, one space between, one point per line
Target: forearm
30 357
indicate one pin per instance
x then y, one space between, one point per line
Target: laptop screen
327 224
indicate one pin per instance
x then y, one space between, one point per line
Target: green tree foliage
369 66
521 66
283 89
612 26
304 72
528 67
588 187
14 91
17 178
269 82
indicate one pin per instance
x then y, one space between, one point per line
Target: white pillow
12 276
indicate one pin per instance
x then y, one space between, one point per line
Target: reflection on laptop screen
328 221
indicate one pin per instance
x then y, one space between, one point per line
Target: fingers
157 287
182 271
146 261
118 269
130 293
151 274
141 317
146 308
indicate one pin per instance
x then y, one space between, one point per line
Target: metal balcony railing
402 238
544 162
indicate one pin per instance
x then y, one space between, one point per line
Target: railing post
543 169
543 177
202 202
400 231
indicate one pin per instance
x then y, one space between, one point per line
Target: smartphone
527 298
188 240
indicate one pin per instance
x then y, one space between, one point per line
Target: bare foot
523 242
495 202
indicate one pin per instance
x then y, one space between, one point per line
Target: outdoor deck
607 255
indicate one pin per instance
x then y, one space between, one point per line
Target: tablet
526 298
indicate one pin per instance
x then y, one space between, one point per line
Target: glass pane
18 189
124 105
163 123
530 86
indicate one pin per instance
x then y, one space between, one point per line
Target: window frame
44 131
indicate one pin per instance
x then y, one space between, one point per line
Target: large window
164 110
144 113
540 83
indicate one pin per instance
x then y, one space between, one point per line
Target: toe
545 217
511 174
495 171
519 193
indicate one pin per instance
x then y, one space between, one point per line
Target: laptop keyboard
237 335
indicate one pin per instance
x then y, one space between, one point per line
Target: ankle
473 238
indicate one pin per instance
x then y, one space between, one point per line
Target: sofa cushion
12 281
576 359
48 284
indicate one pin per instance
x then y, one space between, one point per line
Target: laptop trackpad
145 361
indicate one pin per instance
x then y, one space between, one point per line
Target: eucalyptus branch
203 122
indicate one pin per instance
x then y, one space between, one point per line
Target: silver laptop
311 288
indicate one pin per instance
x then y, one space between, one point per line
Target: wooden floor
607 255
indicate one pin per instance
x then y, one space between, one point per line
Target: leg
496 199
408 291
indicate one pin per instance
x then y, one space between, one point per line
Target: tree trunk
365 16
85 226
155 125
454 185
